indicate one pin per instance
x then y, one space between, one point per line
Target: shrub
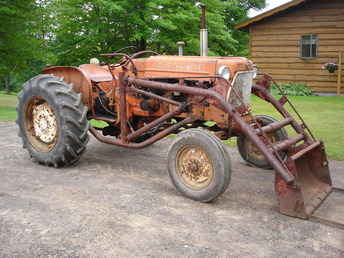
293 89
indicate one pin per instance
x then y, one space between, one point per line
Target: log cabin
293 42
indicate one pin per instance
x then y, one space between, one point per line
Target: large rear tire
198 165
52 121
250 153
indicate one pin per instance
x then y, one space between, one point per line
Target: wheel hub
44 123
195 167
253 151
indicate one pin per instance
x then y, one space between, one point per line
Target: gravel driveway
121 203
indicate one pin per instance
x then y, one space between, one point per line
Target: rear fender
78 78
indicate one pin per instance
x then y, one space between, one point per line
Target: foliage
34 33
236 12
22 46
104 26
293 89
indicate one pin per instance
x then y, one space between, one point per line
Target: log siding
275 43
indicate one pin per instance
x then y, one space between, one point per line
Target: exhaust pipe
204 30
180 45
204 42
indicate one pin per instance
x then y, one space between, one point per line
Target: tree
87 28
179 21
235 12
21 46
34 33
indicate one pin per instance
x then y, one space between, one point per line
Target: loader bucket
312 182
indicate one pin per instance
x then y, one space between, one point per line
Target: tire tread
72 112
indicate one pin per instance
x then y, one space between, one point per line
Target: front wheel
198 166
52 121
250 153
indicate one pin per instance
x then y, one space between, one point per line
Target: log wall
275 44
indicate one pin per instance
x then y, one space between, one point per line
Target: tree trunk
143 44
8 84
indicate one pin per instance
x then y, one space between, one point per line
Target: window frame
312 37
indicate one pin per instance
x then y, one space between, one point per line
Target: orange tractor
143 100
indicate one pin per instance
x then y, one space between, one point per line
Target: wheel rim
253 151
41 124
195 167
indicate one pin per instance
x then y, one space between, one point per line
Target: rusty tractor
143 99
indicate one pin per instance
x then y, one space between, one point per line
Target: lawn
8 107
324 115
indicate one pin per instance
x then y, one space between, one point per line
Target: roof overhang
245 24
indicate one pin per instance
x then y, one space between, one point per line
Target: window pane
306 50
306 37
309 45
314 50
313 41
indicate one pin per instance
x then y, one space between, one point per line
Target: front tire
52 121
251 154
198 165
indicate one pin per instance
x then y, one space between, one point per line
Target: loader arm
307 161
220 102
302 179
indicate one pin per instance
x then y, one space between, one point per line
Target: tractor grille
240 92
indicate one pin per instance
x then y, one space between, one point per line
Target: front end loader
202 100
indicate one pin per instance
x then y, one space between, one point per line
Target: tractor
202 100
145 97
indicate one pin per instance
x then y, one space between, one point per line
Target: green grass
324 115
8 107
98 123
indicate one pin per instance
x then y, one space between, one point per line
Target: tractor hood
184 66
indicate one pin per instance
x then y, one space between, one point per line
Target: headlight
255 73
240 92
95 61
224 72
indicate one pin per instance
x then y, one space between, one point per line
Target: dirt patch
121 203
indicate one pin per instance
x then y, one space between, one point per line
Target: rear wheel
250 153
52 121
198 165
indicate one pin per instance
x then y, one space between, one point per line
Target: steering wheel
123 62
142 53
126 58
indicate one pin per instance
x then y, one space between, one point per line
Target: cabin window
309 46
